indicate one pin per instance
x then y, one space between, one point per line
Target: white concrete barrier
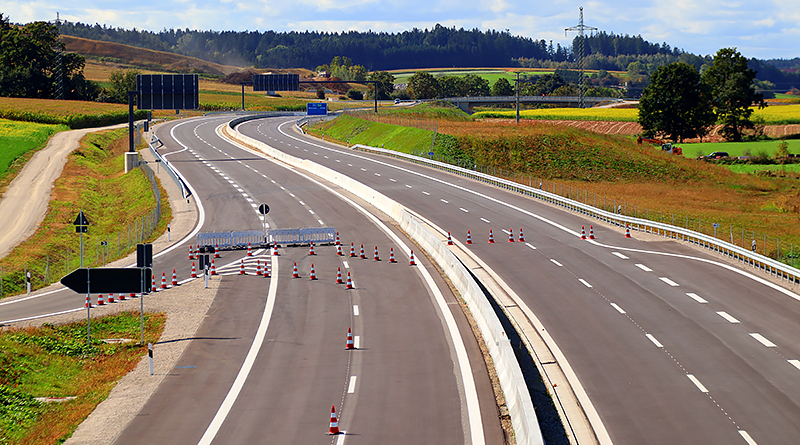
509 374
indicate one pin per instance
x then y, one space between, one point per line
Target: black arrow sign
81 220
111 280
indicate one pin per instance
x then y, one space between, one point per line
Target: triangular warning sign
81 220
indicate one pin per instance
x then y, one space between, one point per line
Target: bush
321 93
355 94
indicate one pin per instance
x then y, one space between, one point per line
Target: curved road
671 345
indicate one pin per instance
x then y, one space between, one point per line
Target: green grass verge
92 180
756 168
57 361
358 131
757 148
19 138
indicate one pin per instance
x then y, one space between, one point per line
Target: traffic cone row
376 257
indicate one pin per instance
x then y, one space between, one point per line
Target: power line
580 29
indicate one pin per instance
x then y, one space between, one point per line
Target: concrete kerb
523 416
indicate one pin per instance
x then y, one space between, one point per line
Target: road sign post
264 209
144 261
81 226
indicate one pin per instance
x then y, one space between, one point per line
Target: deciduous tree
422 85
502 88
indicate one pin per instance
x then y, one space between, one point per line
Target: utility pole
580 29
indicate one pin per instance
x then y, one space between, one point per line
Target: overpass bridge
468 103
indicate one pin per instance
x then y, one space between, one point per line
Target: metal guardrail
238 239
154 144
732 251
319 235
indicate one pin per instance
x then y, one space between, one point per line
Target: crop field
567 114
18 138
758 148
73 113
492 75
779 114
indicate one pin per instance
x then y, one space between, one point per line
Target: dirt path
25 202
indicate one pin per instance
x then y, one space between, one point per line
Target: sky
763 29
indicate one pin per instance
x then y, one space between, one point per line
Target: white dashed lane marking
668 281
556 263
620 255
727 317
653 339
696 297
644 268
619 309
697 383
763 340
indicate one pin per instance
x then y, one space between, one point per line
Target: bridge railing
757 261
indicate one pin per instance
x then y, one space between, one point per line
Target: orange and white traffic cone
491 237
249 250
391 255
376 257
216 251
110 298
411 261
352 250
258 268
213 269
350 344
339 250
510 235
163 280
174 278
122 297
628 231
469 237
194 271
241 269
311 248
88 303
294 271
191 253
154 283
313 275
361 254
583 233
591 232
339 276
521 236
266 269
449 239
337 239
100 301
349 281
334 426
275 250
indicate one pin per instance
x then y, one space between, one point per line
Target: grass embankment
755 148
56 361
92 180
644 181
19 141
72 113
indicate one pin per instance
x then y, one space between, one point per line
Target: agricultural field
567 114
18 139
757 148
490 74
73 113
779 114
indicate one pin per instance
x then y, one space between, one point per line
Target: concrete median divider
518 400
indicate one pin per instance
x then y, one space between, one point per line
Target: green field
492 75
739 148
755 168
18 138
567 114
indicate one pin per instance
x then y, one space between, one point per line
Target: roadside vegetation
72 113
56 362
114 203
19 141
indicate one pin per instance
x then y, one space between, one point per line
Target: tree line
681 103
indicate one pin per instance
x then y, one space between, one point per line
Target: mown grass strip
114 202
57 361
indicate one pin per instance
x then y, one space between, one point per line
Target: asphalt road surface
671 344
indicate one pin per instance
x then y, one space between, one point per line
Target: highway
269 360
671 344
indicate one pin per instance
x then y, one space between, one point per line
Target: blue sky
764 29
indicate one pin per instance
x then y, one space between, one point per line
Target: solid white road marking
341 437
696 298
249 360
351 388
619 309
355 310
655 342
668 281
763 340
747 437
556 263
643 267
697 383
530 245
795 363
584 282
727 316
356 341
620 255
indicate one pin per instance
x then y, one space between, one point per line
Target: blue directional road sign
317 109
